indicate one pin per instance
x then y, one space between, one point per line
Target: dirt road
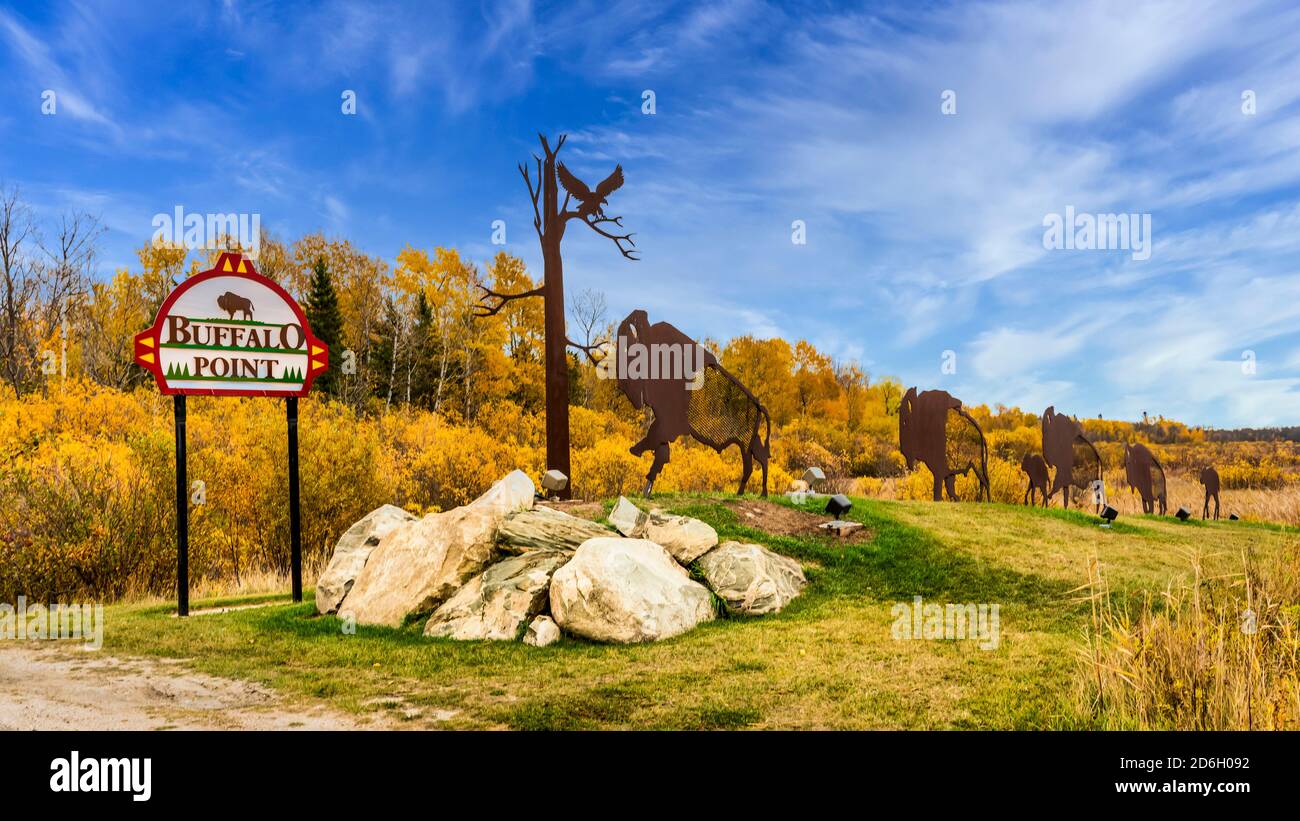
45 686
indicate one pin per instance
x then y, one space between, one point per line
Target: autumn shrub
607 469
81 519
1240 474
87 495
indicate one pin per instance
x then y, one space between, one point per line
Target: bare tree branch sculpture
550 219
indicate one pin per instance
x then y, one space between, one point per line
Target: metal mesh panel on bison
1158 481
1087 464
963 444
720 411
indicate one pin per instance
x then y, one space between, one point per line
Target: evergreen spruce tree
423 350
326 323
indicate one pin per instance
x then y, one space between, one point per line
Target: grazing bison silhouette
1210 478
1036 469
1065 449
935 430
1146 476
711 405
233 303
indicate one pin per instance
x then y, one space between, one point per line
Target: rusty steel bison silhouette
1210 479
1036 469
1065 449
711 405
1146 475
935 430
233 303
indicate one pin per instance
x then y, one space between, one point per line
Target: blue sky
924 230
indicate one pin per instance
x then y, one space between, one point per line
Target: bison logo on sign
233 303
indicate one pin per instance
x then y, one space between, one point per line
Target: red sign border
241 267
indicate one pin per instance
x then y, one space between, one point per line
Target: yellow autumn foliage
88 491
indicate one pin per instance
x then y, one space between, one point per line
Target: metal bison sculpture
1146 475
1036 469
1065 449
935 430
1210 479
699 398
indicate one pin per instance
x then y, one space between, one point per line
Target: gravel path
45 686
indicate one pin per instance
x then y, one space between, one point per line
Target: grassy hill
830 659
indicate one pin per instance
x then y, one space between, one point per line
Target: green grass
827 661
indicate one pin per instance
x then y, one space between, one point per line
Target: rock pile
498 568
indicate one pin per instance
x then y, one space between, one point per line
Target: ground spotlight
1109 513
1183 514
838 505
812 476
1233 517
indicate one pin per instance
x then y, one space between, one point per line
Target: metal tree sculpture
1210 478
712 406
550 218
934 429
1145 475
1076 462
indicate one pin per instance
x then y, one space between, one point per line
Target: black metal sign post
295 522
182 514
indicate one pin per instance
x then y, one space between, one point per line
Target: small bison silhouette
1036 469
233 303
1210 478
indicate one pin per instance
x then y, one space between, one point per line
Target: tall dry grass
1220 651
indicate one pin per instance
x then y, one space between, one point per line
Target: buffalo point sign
231 332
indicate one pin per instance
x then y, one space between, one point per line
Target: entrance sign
231 332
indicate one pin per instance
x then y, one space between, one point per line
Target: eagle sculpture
590 203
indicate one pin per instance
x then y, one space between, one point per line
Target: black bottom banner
142 772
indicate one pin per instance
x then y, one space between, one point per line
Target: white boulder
545 529
627 518
497 603
750 579
542 631
625 591
421 564
686 539
351 552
